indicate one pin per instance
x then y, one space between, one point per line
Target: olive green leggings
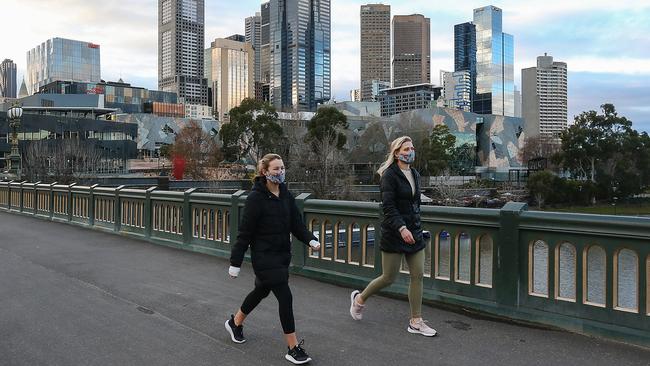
390 264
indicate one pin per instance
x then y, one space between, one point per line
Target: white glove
314 244
233 271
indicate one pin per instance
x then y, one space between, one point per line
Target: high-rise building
407 98
299 53
411 50
253 27
544 97
8 82
62 59
231 74
456 89
180 50
355 95
494 64
465 52
517 102
375 47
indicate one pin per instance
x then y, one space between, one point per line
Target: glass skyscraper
298 53
465 54
62 59
494 64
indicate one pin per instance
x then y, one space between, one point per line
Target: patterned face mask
408 158
279 179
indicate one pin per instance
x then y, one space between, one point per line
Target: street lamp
14 113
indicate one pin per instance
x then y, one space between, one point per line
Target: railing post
35 198
187 217
52 200
148 212
70 205
9 197
234 215
299 250
20 197
117 212
507 272
91 205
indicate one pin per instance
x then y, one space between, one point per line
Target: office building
544 97
411 50
494 64
122 96
8 82
180 50
456 89
299 58
62 59
375 48
253 30
406 98
465 53
231 74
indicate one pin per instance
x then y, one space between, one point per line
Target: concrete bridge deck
72 296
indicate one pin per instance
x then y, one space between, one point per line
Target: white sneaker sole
296 362
353 314
415 331
232 335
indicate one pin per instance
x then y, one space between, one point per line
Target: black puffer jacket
401 208
266 226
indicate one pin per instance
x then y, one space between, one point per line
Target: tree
62 161
252 132
463 159
440 149
319 160
540 186
537 147
605 149
198 149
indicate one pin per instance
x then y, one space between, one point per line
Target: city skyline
601 43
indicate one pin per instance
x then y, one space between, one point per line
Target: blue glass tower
465 52
494 64
299 53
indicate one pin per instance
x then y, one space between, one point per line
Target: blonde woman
270 216
401 233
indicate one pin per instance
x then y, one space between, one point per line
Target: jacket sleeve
247 227
392 217
298 228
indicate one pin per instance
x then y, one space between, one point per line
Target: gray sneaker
421 327
355 308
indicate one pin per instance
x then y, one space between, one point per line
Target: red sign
92 45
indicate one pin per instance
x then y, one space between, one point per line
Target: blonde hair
264 163
390 157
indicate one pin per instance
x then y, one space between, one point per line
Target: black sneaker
297 354
236 332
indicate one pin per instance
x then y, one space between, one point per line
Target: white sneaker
420 327
355 308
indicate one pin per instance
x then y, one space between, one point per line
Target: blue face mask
279 179
408 158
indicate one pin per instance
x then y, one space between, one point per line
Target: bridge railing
586 273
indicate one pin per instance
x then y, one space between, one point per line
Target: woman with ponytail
401 233
270 216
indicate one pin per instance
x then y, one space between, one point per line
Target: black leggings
282 292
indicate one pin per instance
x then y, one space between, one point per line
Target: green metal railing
585 273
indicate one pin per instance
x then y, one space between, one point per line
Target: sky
606 44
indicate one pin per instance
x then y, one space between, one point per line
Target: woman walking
270 216
401 233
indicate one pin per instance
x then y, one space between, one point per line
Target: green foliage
252 131
439 150
540 185
325 127
606 150
463 159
